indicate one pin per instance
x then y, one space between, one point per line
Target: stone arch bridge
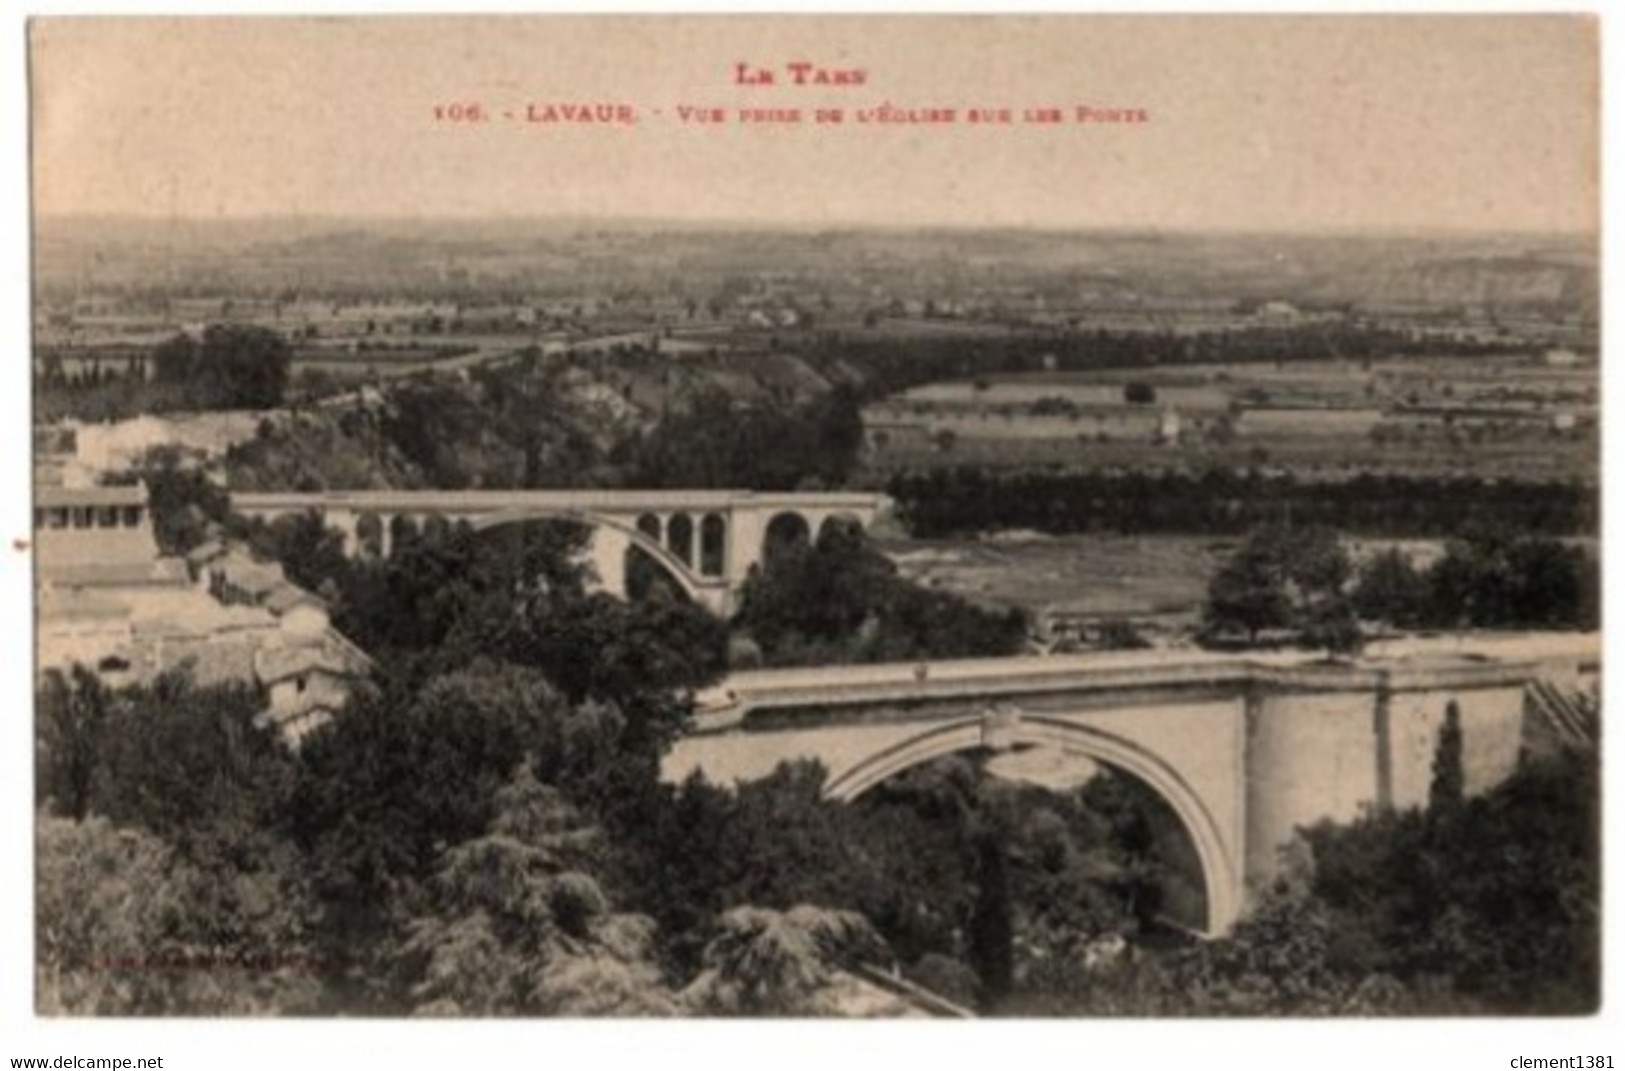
707 541
1245 749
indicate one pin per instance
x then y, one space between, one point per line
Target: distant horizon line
37 219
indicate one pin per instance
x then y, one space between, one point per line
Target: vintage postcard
811 516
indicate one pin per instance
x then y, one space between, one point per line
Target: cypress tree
1446 791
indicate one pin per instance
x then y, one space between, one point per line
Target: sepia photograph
1061 516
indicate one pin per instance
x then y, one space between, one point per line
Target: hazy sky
1277 123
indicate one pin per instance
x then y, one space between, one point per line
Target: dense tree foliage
311 554
126 925
71 722
1290 579
510 426
840 600
188 763
536 423
231 366
973 882
1490 578
717 442
1301 582
1487 578
226 366
1494 902
184 502
1390 590
766 962
178 891
1490 907
514 925
447 594
192 765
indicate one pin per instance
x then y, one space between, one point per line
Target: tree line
1302 582
1488 577
226 366
946 502
893 364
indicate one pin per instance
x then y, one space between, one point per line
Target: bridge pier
606 554
747 531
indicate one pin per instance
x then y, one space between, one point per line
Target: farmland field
1494 417
1156 580
1108 576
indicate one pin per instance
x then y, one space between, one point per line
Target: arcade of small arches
707 545
702 544
698 542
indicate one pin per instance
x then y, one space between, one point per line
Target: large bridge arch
1219 860
612 538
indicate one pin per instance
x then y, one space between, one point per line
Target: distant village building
308 683
1278 314
90 526
108 600
1169 426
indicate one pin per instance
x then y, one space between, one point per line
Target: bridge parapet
1078 677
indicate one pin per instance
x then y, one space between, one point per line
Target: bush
1139 393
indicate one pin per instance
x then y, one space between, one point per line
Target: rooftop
274 662
112 574
257 577
73 604
207 551
205 619
287 596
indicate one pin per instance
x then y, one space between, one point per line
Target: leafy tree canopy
1286 578
232 366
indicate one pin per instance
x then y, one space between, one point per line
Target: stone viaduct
706 541
1245 749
